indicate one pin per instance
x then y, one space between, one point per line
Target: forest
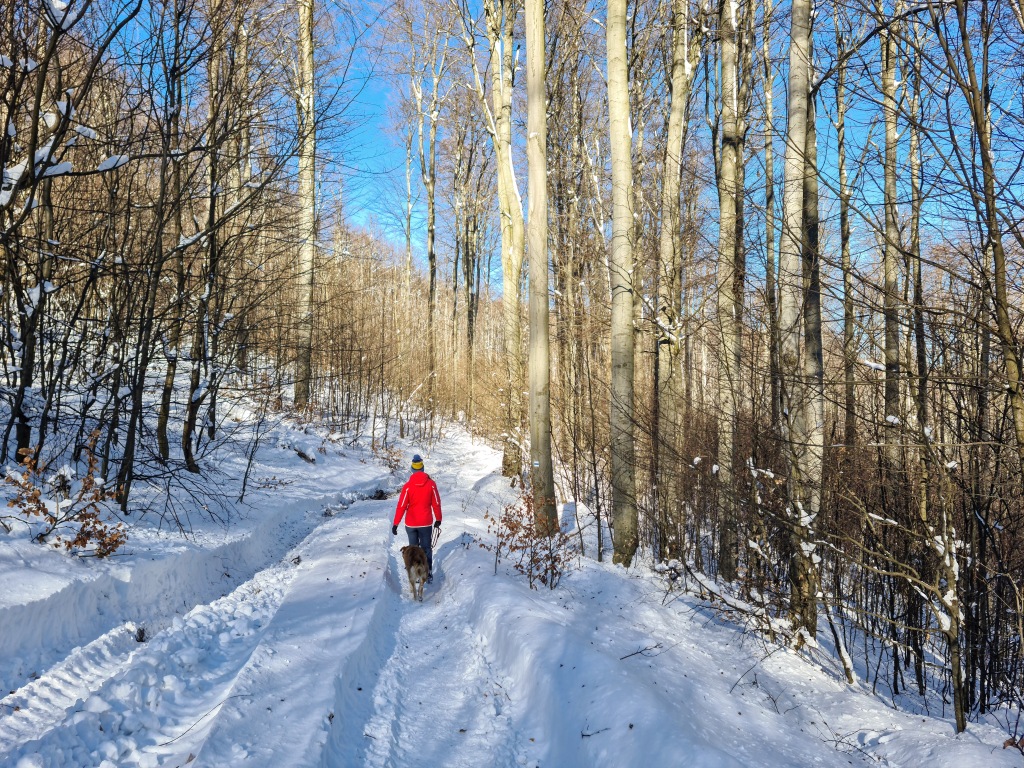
743 280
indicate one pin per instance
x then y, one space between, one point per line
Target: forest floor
289 638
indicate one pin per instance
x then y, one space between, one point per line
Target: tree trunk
307 208
542 474
795 392
729 278
500 22
770 265
428 169
919 636
623 450
849 342
174 106
813 415
669 389
890 260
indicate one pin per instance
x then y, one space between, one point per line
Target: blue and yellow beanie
417 462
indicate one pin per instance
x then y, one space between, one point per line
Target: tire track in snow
151 592
148 697
289 692
30 711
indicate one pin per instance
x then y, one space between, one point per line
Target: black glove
437 524
394 530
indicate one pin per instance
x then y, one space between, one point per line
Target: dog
416 568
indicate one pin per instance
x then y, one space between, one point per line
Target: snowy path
316 655
436 698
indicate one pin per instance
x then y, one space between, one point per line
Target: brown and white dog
416 568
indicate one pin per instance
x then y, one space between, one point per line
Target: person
420 504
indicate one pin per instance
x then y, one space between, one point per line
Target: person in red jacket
420 504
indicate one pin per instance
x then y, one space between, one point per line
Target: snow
289 639
85 131
185 242
62 16
60 169
112 162
43 153
11 176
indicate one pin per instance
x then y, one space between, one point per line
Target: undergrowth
73 519
540 557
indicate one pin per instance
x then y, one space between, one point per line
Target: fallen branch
642 651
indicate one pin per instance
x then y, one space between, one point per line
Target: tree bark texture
307 208
542 473
668 378
730 277
623 450
795 390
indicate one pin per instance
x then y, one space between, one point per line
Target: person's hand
394 530
437 524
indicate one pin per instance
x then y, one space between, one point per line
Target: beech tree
305 97
798 394
542 475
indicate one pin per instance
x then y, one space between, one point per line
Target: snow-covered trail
298 665
436 698
315 654
250 657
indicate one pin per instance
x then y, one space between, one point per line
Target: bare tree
668 377
623 450
735 35
499 23
804 467
305 104
540 377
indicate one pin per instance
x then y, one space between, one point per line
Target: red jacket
419 502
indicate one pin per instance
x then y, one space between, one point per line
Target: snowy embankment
291 640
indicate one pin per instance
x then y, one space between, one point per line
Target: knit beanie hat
417 462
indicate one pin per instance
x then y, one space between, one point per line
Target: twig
642 651
585 735
752 666
197 722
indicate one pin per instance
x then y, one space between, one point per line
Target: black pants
420 535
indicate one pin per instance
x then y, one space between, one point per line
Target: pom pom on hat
417 462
